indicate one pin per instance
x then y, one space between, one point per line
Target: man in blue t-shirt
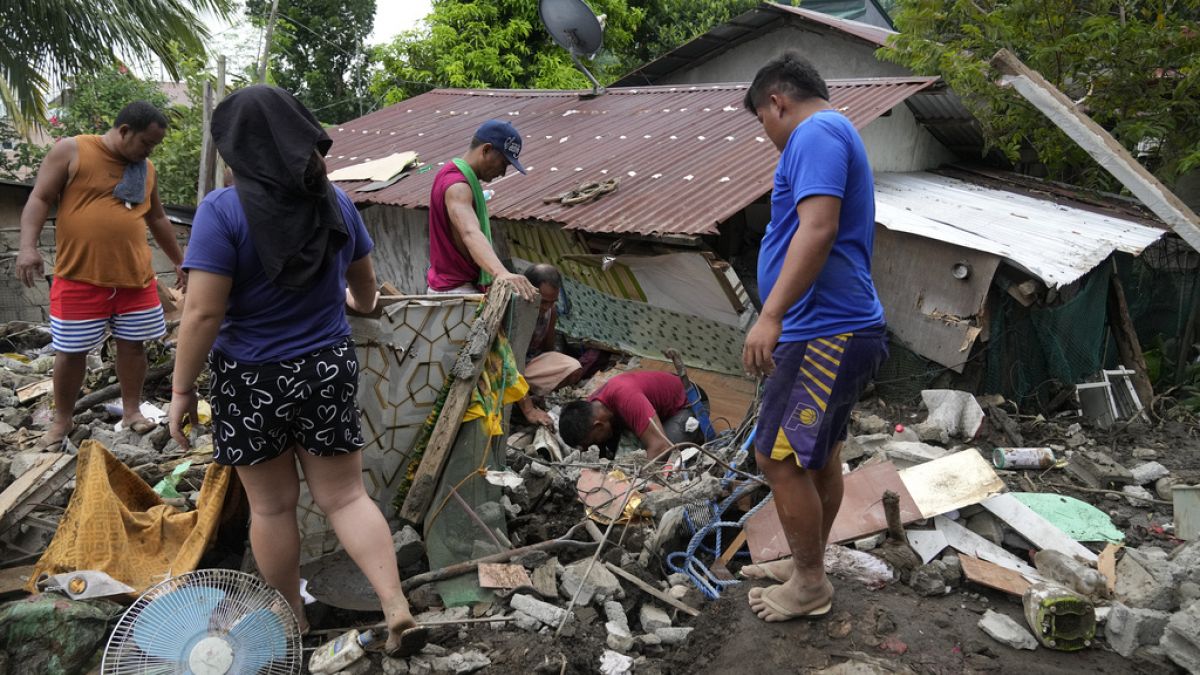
820 337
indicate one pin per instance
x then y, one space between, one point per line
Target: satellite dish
576 29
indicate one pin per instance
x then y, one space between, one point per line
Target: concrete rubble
1006 631
630 627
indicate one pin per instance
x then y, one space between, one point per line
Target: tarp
115 523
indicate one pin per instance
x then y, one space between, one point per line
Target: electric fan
207 622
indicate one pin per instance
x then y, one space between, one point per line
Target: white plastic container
339 653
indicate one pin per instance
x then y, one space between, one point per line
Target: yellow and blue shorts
807 401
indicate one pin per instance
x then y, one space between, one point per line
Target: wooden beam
1128 346
463 376
44 478
208 150
650 590
1100 144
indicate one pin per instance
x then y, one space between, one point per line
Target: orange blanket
115 523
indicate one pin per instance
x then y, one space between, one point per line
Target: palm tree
47 40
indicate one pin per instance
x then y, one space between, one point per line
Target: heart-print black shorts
261 410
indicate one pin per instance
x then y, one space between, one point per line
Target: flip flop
767 575
412 641
787 614
50 446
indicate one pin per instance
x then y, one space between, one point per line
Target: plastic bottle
903 433
339 653
1023 458
1071 573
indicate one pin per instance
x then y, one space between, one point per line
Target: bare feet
405 637
776 570
789 600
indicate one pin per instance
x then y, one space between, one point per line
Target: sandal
412 640
143 426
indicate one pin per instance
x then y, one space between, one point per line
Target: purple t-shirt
264 323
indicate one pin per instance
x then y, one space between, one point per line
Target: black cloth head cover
269 139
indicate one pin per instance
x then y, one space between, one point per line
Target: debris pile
1058 537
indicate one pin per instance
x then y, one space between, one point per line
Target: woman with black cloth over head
273 261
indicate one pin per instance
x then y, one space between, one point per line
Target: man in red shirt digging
653 405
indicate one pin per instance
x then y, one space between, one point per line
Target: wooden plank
1107 564
14 580
950 483
1128 345
647 588
500 575
733 548
1040 532
1097 142
47 476
464 376
992 575
36 390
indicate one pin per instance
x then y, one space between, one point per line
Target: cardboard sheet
950 483
861 514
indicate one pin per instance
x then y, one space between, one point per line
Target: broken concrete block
460 662
987 526
133 455
1136 491
1145 453
619 637
1145 580
613 663
870 543
1129 628
551 615
909 453
1004 630
409 547
1181 639
653 618
932 432
360 667
927 580
1098 469
957 412
703 488
526 622
1148 473
673 635
393 666
679 591
868 424
861 446
615 613
601 584
1186 560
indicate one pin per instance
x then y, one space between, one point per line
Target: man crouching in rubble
653 405
820 337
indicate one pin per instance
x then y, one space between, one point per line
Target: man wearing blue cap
461 257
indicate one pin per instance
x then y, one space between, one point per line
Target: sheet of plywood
729 396
1039 531
12 500
860 515
992 575
950 483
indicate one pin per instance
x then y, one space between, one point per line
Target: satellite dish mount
576 29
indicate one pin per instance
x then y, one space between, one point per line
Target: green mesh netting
1032 348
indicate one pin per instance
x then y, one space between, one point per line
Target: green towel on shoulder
481 212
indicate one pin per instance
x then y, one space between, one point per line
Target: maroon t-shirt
448 267
635 397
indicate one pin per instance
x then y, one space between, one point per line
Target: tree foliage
318 53
1133 65
670 23
49 40
495 43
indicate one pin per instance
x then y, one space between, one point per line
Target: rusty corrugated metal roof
688 157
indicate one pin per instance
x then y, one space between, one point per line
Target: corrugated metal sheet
1054 242
688 157
860 30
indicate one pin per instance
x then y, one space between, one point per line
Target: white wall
898 143
834 56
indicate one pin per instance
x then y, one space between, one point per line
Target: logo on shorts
806 415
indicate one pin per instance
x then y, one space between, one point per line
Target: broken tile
495 575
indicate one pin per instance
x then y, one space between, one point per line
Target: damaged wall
18 303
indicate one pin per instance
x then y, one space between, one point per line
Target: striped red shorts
81 315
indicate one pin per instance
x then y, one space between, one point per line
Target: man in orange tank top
107 195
